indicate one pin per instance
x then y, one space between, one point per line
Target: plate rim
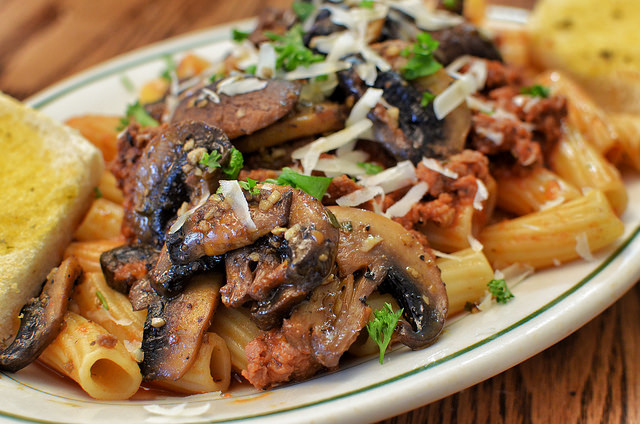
191 40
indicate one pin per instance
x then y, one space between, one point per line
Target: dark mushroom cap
42 317
393 257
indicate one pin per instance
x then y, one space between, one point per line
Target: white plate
547 307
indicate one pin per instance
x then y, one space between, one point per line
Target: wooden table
592 376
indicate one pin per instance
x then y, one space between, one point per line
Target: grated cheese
233 194
360 196
475 243
404 205
242 86
310 153
362 107
435 165
582 247
391 179
316 70
266 67
481 195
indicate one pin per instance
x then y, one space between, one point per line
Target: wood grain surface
593 376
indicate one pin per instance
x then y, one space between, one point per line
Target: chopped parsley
291 50
251 69
382 326
127 83
235 164
303 9
314 186
97 193
211 160
367 4
427 98
421 61
499 291
370 168
139 114
171 67
102 300
451 4
215 77
239 36
250 186
536 90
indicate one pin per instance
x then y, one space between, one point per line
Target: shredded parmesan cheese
474 243
362 107
481 195
233 194
404 205
582 247
358 197
391 179
242 86
436 166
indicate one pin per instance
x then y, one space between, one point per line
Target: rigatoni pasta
555 235
85 352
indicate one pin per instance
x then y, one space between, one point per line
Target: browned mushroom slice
214 228
240 114
390 255
332 319
168 174
307 121
125 265
174 328
42 317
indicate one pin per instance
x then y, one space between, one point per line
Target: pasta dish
351 175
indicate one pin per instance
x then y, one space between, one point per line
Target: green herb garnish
303 9
171 67
102 300
211 160
314 186
235 164
97 193
499 291
370 168
382 326
421 62
450 4
250 186
426 98
139 114
127 83
536 90
251 69
239 36
215 77
367 4
291 50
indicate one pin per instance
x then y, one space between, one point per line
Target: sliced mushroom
42 317
240 114
461 40
391 256
127 264
168 174
214 228
306 121
169 278
174 328
331 320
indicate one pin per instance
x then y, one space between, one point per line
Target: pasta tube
628 129
579 163
235 327
583 113
554 235
538 190
465 275
85 352
103 221
96 301
88 252
210 372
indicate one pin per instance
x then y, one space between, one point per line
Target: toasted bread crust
48 173
596 42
